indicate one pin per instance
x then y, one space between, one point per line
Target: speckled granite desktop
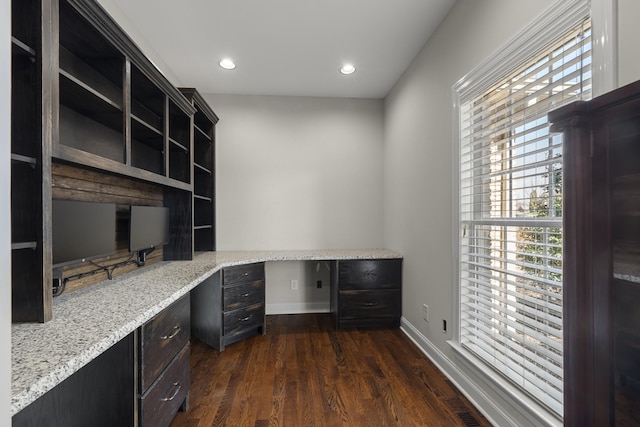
88 321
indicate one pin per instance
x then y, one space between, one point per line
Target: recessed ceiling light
227 64
348 69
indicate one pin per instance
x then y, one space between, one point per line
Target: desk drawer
162 338
243 274
160 403
243 295
370 304
370 274
238 321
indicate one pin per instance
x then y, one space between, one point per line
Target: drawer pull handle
369 304
177 387
244 319
245 295
176 331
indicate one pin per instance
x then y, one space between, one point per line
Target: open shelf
84 95
24 159
25 210
179 163
24 245
91 88
20 48
87 101
201 168
147 99
201 135
25 22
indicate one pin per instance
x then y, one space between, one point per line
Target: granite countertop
89 321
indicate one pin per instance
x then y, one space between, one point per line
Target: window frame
548 27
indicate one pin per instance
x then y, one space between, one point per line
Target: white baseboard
298 308
479 398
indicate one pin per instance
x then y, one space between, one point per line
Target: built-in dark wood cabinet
164 374
204 164
94 120
366 293
102 393
601 256
31 140
229 306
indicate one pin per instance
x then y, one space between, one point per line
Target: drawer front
162 338
370 304
160 403
238 321
370 274
243 295
243 274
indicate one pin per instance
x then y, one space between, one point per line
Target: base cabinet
102 393
366 293
229 306
164 365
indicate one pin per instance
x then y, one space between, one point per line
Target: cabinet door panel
370 274
369 304
243 274
168 394
243 295
243 319
99 394
162 338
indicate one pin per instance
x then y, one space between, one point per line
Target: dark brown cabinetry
229 305
85 98
204 161
31 141
102 393
601 272
366 293
164 365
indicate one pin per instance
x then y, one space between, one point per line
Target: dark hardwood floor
305 373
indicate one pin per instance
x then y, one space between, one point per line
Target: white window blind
511 216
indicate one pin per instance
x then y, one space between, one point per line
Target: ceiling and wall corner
282 47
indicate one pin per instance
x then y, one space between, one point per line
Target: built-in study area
113 223
95 125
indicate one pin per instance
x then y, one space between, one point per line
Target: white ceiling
287 47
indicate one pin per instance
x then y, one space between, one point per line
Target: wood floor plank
304 372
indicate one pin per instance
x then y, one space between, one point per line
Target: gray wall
628 37
298 173
418 161
418 151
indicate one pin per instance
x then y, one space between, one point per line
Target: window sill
527 407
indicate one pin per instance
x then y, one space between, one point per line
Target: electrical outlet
294 285
425 312
319 284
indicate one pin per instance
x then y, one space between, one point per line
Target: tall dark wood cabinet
204 164
32 99
94 120
601 219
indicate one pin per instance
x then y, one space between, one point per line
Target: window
510 214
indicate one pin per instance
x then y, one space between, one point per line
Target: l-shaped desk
89 321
